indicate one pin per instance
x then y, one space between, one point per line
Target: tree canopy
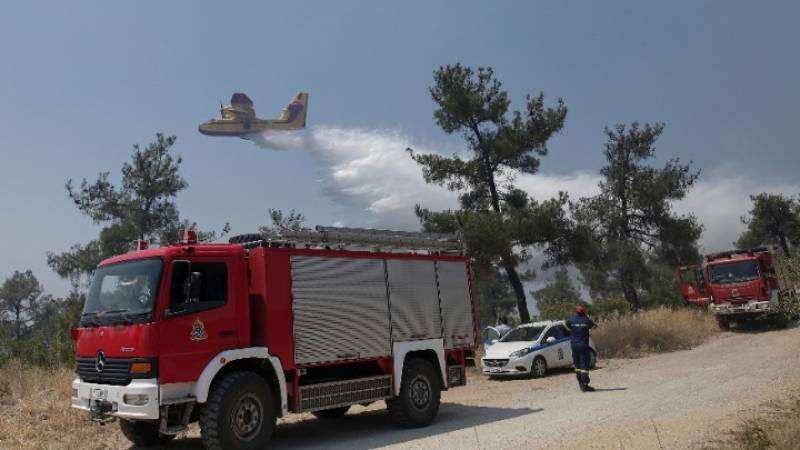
558 298
141 207
19 296
495 217
630 223
773 219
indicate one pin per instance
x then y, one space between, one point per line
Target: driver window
212 289
552 332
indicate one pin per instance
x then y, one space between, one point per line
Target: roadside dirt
668 401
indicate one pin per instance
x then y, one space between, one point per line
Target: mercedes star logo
100 361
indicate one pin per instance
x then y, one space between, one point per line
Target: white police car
532 349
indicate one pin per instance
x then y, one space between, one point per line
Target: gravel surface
671 401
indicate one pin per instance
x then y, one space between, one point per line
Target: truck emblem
198 331
100 361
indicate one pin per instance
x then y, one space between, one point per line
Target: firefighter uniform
579 327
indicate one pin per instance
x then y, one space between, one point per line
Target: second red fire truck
739 285
235 335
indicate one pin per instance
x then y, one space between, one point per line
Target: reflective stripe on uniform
581 371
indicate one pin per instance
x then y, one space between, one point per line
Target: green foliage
493 298
19 297
280 221
36 328
141 207
774 219
495 218
557 300
630 224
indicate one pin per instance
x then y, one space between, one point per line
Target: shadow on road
370 429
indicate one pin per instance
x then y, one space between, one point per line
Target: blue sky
82 82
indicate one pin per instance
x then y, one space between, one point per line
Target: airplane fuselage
238 128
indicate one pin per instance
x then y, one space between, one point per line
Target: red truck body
736 284
323 329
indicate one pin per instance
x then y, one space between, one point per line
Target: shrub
652 331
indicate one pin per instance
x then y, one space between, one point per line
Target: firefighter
579 327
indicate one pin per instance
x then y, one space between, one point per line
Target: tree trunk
784 245
519 291
628 290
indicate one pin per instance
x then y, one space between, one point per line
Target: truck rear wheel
143 434
333 413
239 413
420 394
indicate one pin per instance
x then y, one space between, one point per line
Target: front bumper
750 307
511 367
113 398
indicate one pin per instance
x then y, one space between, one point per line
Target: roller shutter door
455 303
414 300
341 309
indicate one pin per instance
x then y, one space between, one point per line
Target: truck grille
495 362
115 372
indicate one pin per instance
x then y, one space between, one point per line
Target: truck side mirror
181 272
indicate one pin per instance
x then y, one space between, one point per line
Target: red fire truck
739 285
235 335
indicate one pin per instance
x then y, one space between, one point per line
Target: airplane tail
295 112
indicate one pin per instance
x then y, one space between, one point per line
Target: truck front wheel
239 413
143 434
723 323
420 394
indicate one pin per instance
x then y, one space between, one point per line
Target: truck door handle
226 333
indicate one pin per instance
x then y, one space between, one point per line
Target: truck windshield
526 334
123 293
735 272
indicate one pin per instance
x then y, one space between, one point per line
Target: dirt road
670 401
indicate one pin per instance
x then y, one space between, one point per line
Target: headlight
135 399
521 353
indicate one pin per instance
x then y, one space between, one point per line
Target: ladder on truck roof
343 237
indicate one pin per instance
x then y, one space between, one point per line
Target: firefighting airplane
239 119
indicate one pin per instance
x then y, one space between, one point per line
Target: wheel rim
420 391
247 417
539 368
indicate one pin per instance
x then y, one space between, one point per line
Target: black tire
143 434
333 413
538 367
420 394
780 321
240 413
592 359
723 324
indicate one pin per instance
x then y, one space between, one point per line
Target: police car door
553 343
564 347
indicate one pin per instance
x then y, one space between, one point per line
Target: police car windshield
123 293
520 334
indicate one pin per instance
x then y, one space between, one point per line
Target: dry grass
35 412
778 429
653 331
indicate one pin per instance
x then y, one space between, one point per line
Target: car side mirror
550 339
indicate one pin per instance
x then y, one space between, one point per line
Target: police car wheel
538 367
592 359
